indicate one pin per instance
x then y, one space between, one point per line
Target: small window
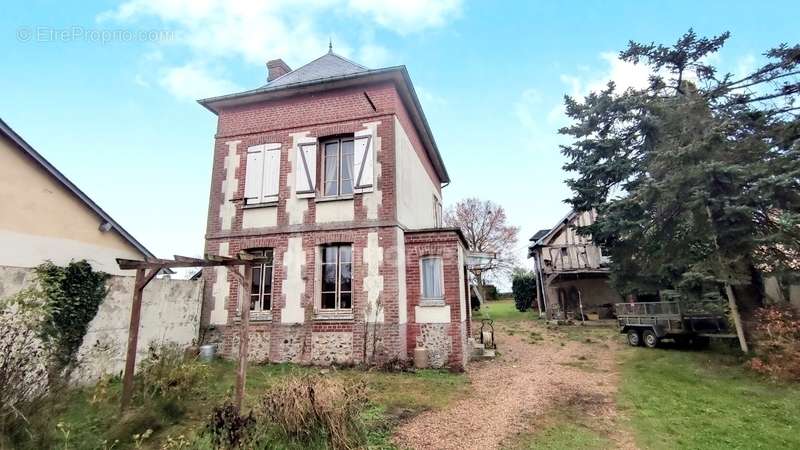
432 288
337 277
337 167
437 212
261 288
563 251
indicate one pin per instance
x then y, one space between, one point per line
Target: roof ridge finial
330 45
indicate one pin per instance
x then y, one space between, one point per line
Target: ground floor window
432 274
261 288
337 277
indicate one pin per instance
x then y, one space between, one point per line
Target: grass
563 429
682 399
97 424
503 310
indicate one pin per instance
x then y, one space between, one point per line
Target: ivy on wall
72 296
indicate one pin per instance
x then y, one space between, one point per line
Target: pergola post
244 335
133 332
156 265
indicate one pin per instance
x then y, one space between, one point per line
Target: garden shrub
777 342
23 363
305 408
167 372
227 428
523 285
72 297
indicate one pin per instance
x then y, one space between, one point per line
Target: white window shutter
305 161
254 170
363 165
272 171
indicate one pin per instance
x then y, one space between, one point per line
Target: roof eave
215 104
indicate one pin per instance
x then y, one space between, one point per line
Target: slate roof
333 70
328 65
538 235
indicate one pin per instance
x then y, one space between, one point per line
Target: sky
107 90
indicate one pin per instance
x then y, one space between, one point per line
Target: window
337 167
563 251
337 277
432 288
262 174
261 289
437 212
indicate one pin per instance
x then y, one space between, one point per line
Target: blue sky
120 120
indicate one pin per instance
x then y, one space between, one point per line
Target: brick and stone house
571 271
332 170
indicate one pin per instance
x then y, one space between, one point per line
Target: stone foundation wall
435 338
332 348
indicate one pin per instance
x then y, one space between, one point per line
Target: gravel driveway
538 369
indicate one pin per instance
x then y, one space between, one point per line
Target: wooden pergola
147 269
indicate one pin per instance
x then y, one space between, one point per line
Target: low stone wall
170 313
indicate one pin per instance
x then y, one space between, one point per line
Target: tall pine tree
696 178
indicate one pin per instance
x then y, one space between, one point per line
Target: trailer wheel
650 339
634 338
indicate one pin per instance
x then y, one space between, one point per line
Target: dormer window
337 167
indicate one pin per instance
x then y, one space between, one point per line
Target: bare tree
483 223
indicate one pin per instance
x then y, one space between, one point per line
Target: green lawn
503 310
705 400
88 424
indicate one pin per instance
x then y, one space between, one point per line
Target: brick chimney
276 68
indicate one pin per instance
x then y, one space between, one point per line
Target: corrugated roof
55 173
326 66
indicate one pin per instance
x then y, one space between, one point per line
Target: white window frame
423 298
262 199
257 311
437 212
337 310
323 157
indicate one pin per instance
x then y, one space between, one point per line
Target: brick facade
298 232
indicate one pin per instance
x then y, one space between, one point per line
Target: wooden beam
211 257
187 259
149 277
133 338
132 264
244 338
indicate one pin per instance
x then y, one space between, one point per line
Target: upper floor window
432 278
262 174
337 167
337 277
345 166
261 287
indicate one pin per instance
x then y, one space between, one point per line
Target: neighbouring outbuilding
572 272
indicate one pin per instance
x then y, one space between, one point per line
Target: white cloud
373 55
295 30
191 82
624 74
408 16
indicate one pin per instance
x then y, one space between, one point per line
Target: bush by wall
523 285
72 296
